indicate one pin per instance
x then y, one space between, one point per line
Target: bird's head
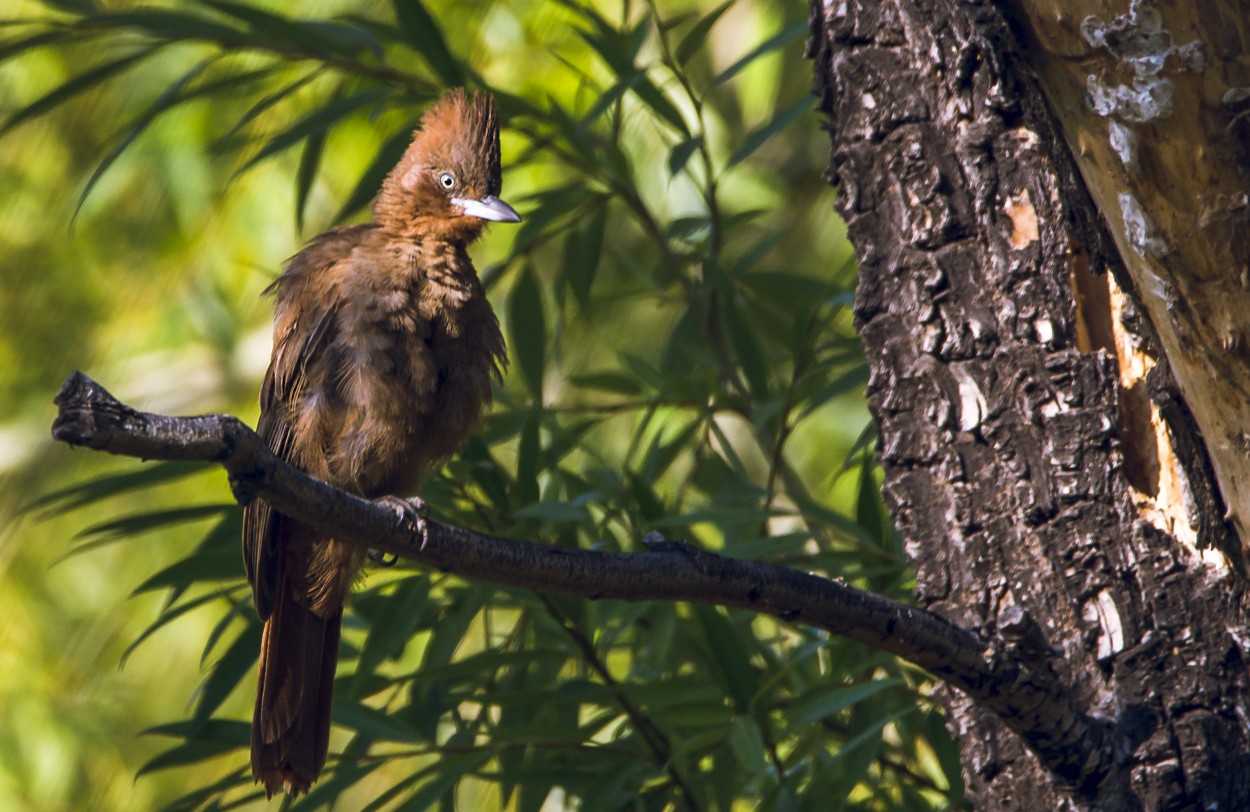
447 184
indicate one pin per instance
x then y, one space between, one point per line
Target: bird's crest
459 134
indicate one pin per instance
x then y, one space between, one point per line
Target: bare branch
1022 691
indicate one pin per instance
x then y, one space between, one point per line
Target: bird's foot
410 513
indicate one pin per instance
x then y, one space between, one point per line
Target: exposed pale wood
1178 208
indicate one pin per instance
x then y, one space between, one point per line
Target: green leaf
552 205
373 176
824 702
423 33
852 380
756 138
697 35
317 122
84 7
607 381
447 774
748 746
528 461
203 742
309 161
168 615
79 84
229 671
134 524
109 486
659 104
172 97
282 31
783 37
681 153
399 616
10 48
728 655
174 26
747 348
583 249
373 724
265 102
553 512
528 331
218 565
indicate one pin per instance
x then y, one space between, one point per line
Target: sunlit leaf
169 615
269 100
275 28
81 83
173 96
371 179
756 138
135 524
400 614
783 37
209 566
108 486
423 34
174 26
226 674
697 35
680 155
316 123
210 739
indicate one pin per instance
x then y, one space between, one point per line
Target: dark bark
1000 437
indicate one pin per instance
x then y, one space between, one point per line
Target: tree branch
1024 692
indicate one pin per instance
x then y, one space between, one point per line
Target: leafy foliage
683 360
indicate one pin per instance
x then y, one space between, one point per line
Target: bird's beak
488 208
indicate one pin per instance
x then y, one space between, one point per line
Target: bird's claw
411 513
382 559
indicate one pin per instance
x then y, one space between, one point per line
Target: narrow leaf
423 33
109 486
756 138
774 42
228 672
583 250
680 155
373 176
219 565
79 84
309 162
825 702
265 102
172 97
527 331
142 522
319 121
697 35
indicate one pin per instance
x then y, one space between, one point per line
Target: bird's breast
416 362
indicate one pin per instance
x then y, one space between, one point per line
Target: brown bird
383 353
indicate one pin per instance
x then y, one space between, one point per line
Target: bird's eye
447 180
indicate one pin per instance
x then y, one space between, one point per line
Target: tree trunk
1013 184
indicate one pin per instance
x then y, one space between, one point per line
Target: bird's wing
303 329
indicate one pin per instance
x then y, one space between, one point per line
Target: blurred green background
677 307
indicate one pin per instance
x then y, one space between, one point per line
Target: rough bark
1009 443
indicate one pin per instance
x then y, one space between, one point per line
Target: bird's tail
291 725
